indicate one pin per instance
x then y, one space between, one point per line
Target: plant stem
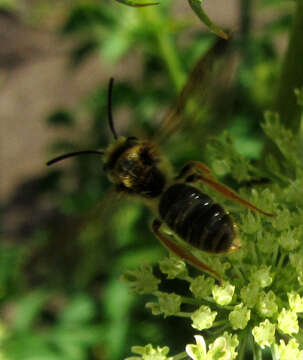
274 352
275 254
192 301
257 352
165 44
245 9
219 323
292 74
245 30
254 253
242 348
180 356
183 314
220 330
299 336
238 272
282 258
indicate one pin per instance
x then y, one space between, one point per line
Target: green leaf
80 310
28 309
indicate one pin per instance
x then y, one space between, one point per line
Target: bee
138 168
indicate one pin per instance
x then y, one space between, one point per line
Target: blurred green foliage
60 288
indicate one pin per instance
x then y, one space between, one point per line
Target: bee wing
206 81
101 212
108 205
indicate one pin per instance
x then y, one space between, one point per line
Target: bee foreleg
181 252
200 172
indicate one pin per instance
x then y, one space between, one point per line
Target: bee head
131 164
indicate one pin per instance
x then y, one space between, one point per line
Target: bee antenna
109 107
65 156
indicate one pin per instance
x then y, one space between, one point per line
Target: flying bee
138 168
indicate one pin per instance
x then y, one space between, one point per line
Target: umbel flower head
259 305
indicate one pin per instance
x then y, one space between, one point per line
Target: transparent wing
209 77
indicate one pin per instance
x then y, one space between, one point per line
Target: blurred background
65 238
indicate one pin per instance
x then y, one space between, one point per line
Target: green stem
186 278
292 74
245 32
299 336
219 331
291 77
219 323
209 299
281 260
170 56
242 348
274 352
245 9
275 254
165 44
180 356
196 5
205 301
254 254
300 289
183 314
188 300
239 273
212 301
257 352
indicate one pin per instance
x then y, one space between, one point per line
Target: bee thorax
147 182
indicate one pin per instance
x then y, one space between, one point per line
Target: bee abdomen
195 217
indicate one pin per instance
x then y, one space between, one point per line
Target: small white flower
198 351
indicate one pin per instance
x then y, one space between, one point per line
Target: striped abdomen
195 218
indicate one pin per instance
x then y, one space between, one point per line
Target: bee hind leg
181 252
196 171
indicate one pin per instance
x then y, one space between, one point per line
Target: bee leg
196 166
181 252
189 169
